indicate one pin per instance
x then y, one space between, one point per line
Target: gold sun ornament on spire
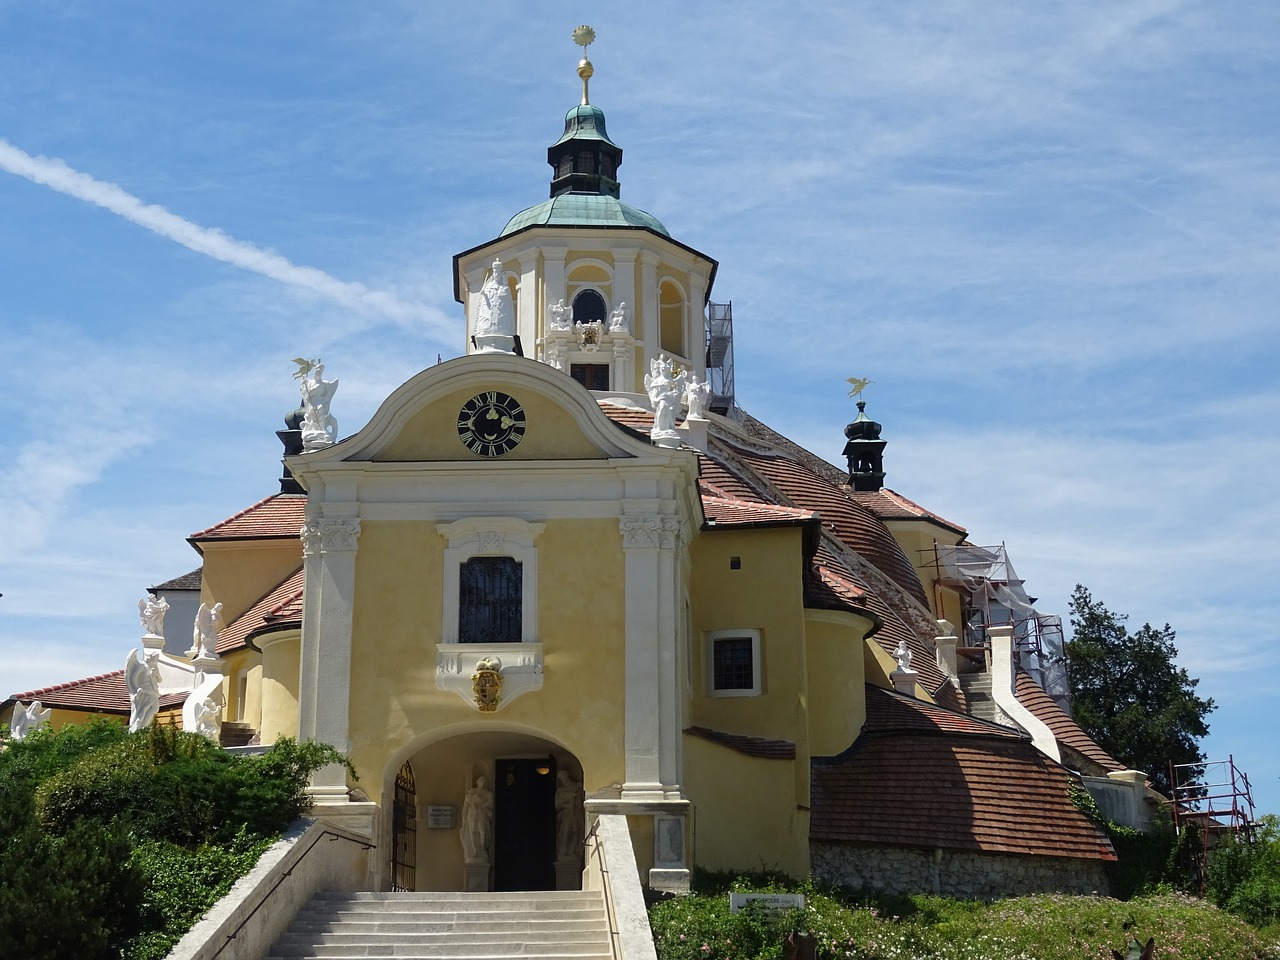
859 384
584 36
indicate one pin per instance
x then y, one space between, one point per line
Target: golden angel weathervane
859 384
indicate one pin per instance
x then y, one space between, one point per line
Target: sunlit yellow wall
238 573
764 594
397 623
279 685
432 434
837 675
917 537
249 661
745 810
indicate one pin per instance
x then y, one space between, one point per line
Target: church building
564 574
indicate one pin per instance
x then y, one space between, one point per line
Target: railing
629 933
595 851
363 844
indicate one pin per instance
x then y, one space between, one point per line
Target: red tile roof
951 784
721 511
890 505
751 746
279 515
279 609
105 693
1065 730
633 417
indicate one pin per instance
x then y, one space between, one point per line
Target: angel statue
204 636
151 611
142 678
695 397
903 655
859 384
319 428
28 718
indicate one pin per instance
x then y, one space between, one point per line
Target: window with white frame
733 663
490 581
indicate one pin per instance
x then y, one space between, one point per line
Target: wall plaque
441 816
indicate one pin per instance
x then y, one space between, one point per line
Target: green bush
1244 877
112 844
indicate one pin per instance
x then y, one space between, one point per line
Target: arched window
565 168
671 320
589 306
586 162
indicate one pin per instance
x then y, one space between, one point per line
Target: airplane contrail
54 173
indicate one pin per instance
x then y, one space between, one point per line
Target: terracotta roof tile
1065 730
721 511
890 505
279 515
279 609
856 526
105 693
751 746
889 712
924 782
633 417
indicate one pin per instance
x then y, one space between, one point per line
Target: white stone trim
491 537
521 668
757 668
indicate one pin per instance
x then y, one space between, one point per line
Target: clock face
491 423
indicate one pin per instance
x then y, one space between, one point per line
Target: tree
1129 694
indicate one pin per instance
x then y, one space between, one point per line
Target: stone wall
961 874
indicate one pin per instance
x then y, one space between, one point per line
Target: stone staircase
475 926
977 691
236 734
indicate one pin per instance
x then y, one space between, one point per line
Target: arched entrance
496 811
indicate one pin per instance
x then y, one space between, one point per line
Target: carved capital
650 531
325 536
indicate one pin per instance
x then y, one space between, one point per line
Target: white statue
618 322
559 315
496 316
903 656
204 635
151 611
208 718
664 389
569 817
28 718
142 678
319 428
695 397
477 822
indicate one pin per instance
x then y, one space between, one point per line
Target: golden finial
584 36
859 384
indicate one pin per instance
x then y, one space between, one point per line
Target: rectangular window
593 376
733 663
489 600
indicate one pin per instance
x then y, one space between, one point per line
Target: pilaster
329 558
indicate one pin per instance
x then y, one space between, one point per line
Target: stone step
412 923
453 950
453 913
502 900
295 937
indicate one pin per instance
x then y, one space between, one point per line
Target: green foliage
1129 694
699 927
1244 877
112 843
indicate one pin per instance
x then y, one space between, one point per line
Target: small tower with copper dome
599 287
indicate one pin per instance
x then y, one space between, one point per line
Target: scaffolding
1215 799
992 595
720 358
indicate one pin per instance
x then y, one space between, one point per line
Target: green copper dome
584 122
584 210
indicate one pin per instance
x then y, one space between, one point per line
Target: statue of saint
664 391
151 611
28 718
142 678
618 322
477 822
695 397
559 315
569 817
496 315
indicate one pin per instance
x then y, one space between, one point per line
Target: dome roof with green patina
584 210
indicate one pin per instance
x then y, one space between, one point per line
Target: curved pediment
419 422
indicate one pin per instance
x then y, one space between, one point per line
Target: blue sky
1048 232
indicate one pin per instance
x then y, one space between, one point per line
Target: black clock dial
491 423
